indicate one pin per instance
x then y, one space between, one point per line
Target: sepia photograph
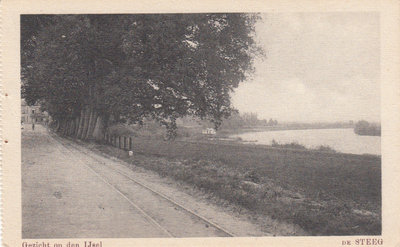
138 124
200 125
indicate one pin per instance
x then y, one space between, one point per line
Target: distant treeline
237 120
318 125
367 129
247 120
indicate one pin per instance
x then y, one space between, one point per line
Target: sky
319 67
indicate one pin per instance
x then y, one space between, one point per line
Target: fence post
130 143
119 142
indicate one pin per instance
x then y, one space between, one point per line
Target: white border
390 105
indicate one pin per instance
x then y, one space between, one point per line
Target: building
209 131
31 114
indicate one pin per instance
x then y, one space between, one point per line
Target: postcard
200 123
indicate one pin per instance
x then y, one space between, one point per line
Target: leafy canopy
129 67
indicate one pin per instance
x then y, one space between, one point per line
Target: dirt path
70 192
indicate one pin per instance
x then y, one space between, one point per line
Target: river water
342 140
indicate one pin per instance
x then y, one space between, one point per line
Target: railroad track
68 145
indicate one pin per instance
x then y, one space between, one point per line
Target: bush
326 149
292 145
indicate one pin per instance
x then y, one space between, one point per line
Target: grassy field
325 193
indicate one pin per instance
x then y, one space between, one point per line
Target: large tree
91 70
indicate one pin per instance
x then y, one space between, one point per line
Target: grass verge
324 193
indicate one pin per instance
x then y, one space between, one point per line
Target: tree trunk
100 128
62 130
87 128
80 125
77 120
66 125
59 129
57 126
92 123
86 117
71 127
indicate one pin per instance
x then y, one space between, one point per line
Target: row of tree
237 120
91 71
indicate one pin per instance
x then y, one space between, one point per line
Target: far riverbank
229 132
341 140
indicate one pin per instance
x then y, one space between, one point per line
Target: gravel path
67 193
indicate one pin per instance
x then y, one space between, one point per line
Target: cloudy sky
319 67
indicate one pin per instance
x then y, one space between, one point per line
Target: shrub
326 149
292 145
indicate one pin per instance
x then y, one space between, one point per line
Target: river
341 140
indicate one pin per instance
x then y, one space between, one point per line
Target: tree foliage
91 70
363 127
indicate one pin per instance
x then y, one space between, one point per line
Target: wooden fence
122 142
